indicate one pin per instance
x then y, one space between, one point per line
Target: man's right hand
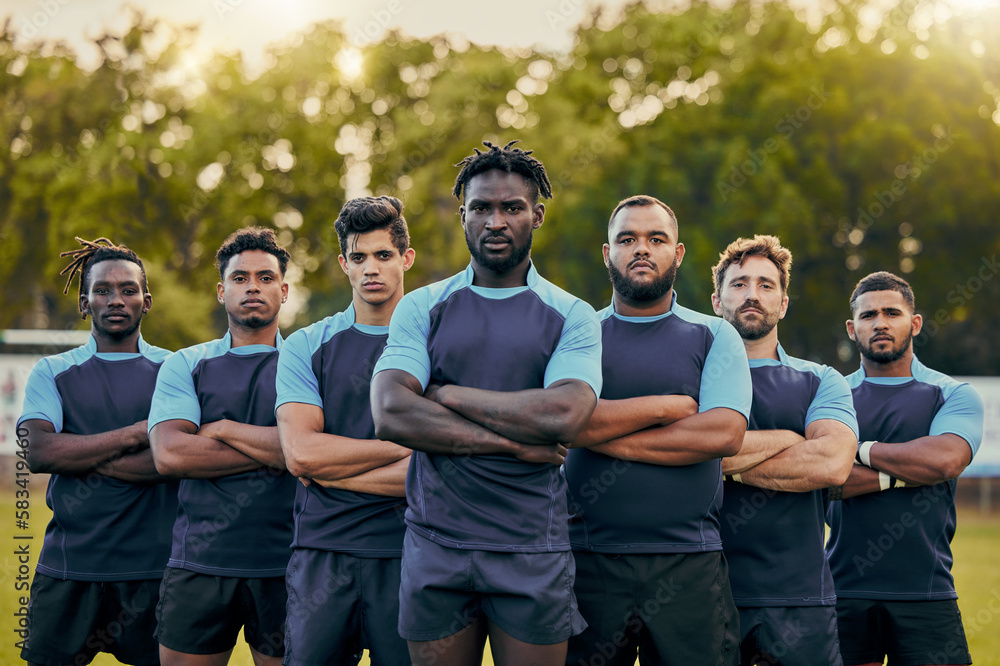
554 454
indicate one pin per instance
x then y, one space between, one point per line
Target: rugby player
801 440
485 375
99 571
647 487
212 423
890 536
343 575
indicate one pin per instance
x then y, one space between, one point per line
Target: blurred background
865 134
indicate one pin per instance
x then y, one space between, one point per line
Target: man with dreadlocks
212 423
98 576
485 374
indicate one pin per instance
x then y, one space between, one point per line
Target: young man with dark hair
801 440
644 476
84 421
918 430
485 375
212 423
343 575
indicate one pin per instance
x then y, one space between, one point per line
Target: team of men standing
488 457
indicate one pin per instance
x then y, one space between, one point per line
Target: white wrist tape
865 453
884 481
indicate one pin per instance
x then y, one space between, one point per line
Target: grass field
977 578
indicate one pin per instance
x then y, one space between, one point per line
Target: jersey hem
648 548
792 602
97 577
560 547
227 572
891 596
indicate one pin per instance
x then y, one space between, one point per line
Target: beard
117 336
642 292
255 320
753 329
894 353
500 265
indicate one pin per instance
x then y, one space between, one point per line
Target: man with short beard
890 543
485 375
644 476
212 423
801 440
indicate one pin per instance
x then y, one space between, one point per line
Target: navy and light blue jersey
514 339
634 507
774 540
238 525
330 365
896 544
102 529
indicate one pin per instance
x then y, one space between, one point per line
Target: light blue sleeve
578 354
295 380
833 401
408 332
725 378
962 415
174 396
41 397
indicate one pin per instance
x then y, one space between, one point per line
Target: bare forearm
617 418
926 460
260 443
330 457
191 456
800 468
535 416
66 453
758 446
862 480
134 467
713 434
402 415
388 480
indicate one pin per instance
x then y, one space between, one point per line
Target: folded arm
758 446
135 467
535 416
403 415
822 460
925 460
310 452
616 418
715 433
258 442
54 452
179 451
388 480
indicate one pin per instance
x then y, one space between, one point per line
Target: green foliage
864 142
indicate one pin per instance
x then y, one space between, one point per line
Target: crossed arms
531 425
122 453
220 448
662 430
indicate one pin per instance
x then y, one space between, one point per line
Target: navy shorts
70 621
674 609
528 595
203 614
789 636
908 632
340 605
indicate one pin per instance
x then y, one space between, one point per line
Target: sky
250 25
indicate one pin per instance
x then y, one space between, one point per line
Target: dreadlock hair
508 159
364 214
883 281
250 238
91 253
